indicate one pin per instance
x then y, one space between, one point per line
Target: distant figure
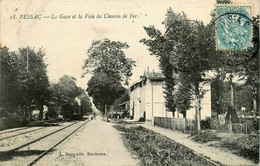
94 115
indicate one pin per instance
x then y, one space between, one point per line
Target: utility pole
27 81
152 103
231 91
27 60
255 91
116 70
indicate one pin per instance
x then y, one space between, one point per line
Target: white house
147 99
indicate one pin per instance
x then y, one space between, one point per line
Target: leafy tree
192 56
23 83
85 104
244 63
65 91
159 46
217 92
250 68
64 94
35 79
105 56
110 67
104 89
10 85
244 98
184 49
183 95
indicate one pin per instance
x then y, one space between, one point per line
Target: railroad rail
49 150
21 133
45 152
23 128
5 153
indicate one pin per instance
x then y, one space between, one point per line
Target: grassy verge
244 145
155 149
205 136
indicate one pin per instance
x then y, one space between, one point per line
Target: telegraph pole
27 81
27 60
231 91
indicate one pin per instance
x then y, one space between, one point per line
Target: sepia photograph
129 82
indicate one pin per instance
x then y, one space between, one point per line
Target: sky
66 41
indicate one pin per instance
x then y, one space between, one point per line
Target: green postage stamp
233 27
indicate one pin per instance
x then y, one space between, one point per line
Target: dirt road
97 143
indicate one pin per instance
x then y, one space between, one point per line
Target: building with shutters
147 99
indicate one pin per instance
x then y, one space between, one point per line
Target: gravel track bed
27 154
13 130
13 142
10 134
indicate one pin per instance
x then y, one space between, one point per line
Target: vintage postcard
129 82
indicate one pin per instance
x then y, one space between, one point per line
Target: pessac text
31 16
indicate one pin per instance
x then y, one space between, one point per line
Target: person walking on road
94 115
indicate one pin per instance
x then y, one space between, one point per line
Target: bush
204 136
255 125
13 121
205 124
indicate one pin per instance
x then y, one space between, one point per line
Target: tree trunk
197 106
184 114
106 112
23 113
29 109
41 112
255 99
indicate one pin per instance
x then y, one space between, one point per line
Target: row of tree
24 85
110 71
186 52
73 99
23 80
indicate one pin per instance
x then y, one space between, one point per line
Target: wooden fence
180 124
245 125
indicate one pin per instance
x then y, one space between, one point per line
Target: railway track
47 151
21 133
33 141
67 132
10 142
10 131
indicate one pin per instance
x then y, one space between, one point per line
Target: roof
126 102
153 75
